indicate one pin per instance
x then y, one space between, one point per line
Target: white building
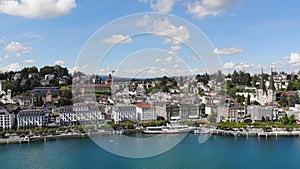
31 118
1 87
145 112
23 101
294 111
88 113
190 111
258 112
67 116
6 98
6 119
123 113
160 109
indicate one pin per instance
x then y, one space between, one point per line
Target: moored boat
168 129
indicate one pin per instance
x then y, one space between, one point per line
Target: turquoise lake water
219 152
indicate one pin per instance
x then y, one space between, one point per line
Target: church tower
261 92
271 90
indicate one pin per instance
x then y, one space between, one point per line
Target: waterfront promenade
256 133
71 135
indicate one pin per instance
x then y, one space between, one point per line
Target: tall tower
271 89
272 86
262 82
261 92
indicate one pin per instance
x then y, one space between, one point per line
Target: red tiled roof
143 105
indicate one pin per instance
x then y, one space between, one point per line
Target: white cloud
294 59
256 66
176 33
174 70
194 58
278 64
145 21
228 65
29 61
163 6
82 68
16 47
105 71
6 56
175 48
179 61
1 42
35 36
118 39
166 61
59 62
164 28
176 66
248 66
18 54
157 60
228 51
37 8
201 9
12 67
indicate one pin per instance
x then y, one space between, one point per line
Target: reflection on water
137 145
218 152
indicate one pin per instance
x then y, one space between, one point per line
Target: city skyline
246 35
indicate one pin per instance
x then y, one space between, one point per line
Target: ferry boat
168 129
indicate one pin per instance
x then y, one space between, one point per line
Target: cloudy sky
246 35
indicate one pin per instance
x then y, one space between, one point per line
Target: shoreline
257 133
18 140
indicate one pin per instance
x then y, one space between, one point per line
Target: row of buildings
251 113
94 113
63 116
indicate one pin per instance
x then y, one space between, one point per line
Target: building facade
67 117
257 113
124 113
145 112
190 111
173 112
6 119
31 119
88 113
266 95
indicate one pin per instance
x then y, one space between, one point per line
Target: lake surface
218 152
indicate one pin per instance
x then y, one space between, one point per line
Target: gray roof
33 112
4 112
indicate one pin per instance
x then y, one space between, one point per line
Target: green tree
240 98
248 100
283 100
203 78
292 120
285 119
254 80
263 119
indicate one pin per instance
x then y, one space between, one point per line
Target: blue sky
246 35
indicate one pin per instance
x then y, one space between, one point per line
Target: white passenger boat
168 129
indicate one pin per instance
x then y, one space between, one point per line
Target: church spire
262 82
272 86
